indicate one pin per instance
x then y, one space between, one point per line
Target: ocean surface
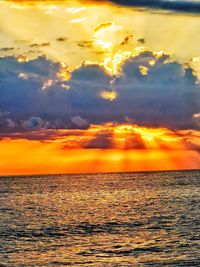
122 219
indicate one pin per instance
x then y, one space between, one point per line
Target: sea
116 219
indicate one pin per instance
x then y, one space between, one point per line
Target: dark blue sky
174 5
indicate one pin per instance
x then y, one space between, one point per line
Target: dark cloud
10 123
79 122
34 123
103 26
103 140
196 118
185 6
35 45
10 68
85 44
126 40
61 39
42 135
134 141
6 49
7 123
141 41
168 96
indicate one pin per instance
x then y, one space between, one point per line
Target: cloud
79 122
6 49
10 68
191 138
34 123
196 118
134 141
167 96
39 45
5 121
42 135
10 123
103 140
61 39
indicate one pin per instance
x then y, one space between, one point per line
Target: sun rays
91 50
129 148
97 40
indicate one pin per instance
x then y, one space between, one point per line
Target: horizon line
97 173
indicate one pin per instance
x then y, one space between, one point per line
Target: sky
99 86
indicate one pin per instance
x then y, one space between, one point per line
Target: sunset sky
99 86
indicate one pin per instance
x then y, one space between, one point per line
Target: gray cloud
167 96
79 122
34 123
10 123
196 118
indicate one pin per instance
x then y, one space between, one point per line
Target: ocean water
122 219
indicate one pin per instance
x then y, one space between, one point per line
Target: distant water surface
122 219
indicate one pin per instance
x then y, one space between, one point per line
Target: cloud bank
162 94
